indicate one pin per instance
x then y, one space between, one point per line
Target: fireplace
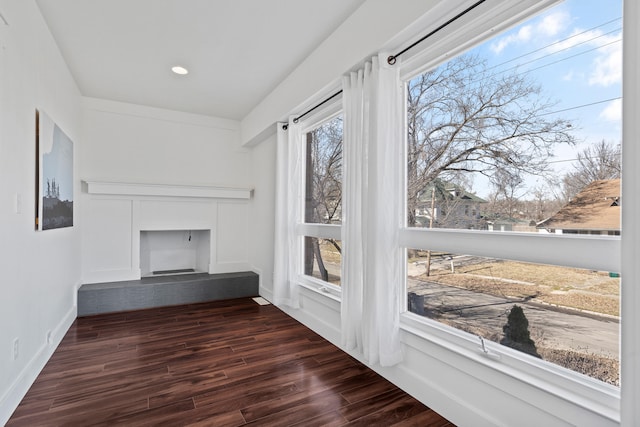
164 252
134 229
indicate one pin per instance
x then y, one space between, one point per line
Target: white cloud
523 35
548 26
552 24
576 38
613 111
607 66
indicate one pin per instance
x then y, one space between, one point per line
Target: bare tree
542 205
323 201
462 119
597 162
324 148
505 199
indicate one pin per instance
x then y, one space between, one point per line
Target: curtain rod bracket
391 60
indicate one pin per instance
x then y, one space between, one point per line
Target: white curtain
372 212
289 185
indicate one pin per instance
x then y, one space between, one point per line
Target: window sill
583 391
321 288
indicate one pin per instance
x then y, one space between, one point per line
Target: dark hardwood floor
226 363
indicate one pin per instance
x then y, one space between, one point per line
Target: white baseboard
16 392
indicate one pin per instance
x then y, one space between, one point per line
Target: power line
573 160
568 57
515 67
553 53
491 76
581 106
560 51
564 40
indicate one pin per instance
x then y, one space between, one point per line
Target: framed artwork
54 175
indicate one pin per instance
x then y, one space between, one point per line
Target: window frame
577 251
304 229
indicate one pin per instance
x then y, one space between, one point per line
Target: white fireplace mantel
166 190
119 213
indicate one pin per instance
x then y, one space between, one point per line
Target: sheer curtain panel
288 246
373 212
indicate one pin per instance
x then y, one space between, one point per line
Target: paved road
558 329
568 329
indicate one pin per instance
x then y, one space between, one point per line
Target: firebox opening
167 252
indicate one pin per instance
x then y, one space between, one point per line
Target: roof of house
596 207
454 191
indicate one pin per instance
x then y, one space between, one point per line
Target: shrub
516 332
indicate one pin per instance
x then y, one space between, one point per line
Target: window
323 259
323 200
323 178
524 132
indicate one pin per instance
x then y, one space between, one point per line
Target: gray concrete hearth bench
148 292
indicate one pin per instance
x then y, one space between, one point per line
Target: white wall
262 212
132 143
40 270
136 144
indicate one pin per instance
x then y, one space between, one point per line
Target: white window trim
600 253
565 384
322 231
630 344
572 251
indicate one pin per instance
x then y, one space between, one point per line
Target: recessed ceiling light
179 70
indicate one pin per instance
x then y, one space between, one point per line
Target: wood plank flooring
225 363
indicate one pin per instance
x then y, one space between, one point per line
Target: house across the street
594 210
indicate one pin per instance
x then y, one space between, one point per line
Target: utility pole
433 205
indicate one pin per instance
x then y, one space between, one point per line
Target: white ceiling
237 51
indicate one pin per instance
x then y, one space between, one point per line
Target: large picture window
522 135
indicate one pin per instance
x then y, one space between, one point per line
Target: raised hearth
159 291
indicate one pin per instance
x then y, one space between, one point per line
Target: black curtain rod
391 60
295 120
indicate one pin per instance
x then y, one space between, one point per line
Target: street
557 328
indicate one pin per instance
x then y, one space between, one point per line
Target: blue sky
574 51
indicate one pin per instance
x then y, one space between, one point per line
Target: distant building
594 210
512 224
453 207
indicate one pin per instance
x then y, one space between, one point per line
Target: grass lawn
568 287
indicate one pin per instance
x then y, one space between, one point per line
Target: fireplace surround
134 230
